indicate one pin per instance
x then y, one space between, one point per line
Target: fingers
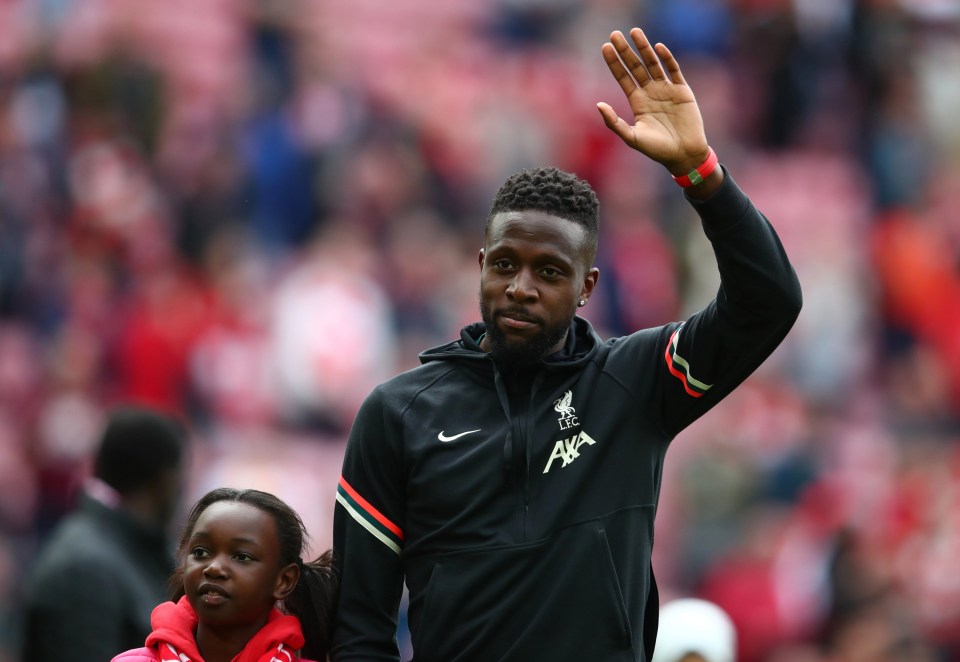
646 52
629 58
609 115
671 64
613 122
620 73
648 62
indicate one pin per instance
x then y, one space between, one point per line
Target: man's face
534 268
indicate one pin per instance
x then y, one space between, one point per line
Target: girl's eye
243 556
198 552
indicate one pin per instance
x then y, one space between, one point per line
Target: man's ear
286 581
480 258
589 282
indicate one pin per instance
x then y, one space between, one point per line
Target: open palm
667 126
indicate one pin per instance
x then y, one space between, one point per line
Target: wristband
701 172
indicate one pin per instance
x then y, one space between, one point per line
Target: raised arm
667 126
708 355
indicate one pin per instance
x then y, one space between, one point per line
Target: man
512 479
106 566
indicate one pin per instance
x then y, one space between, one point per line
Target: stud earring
583 302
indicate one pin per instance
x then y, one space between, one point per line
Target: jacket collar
582 341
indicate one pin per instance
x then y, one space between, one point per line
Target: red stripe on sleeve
678 373
366 505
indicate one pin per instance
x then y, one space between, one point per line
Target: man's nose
522 287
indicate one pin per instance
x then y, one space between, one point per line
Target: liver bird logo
562 405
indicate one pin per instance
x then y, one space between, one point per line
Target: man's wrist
698 174
711 184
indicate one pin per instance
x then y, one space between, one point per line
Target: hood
582 342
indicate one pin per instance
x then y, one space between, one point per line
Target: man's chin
516 351
516 347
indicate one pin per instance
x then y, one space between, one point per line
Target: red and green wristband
701 172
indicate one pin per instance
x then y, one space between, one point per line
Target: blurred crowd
250 212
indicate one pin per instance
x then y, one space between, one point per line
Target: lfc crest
568 415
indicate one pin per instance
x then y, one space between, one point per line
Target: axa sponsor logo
568 415
567 450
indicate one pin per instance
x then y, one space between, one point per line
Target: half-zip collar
582 341
516 393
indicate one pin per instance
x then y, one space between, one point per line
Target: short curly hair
550 190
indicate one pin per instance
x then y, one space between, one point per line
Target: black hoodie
522 519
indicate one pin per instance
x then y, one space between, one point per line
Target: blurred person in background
106 566
693 630
515 545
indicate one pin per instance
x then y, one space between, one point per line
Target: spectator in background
106 566
693 630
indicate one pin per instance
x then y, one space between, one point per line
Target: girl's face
231 572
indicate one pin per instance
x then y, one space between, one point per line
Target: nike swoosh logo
442 437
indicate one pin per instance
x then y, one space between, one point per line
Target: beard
521 353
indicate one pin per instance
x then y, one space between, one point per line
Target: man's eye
550 272
503 264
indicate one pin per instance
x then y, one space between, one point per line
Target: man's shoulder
137 655
85 554
76 541
401 391
417 378
654 336
80 538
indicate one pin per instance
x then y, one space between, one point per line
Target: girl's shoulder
137 655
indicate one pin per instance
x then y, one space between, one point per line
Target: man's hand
667 126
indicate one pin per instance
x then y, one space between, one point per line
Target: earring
583 302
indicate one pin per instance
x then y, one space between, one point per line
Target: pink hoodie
172 639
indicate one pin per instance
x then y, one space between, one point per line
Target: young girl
240 559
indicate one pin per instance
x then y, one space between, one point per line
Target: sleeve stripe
365 523
346 490
367 506
692 386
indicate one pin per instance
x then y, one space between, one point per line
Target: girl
240 559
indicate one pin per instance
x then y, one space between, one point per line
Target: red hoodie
173 638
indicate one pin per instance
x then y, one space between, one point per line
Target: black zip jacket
521 518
